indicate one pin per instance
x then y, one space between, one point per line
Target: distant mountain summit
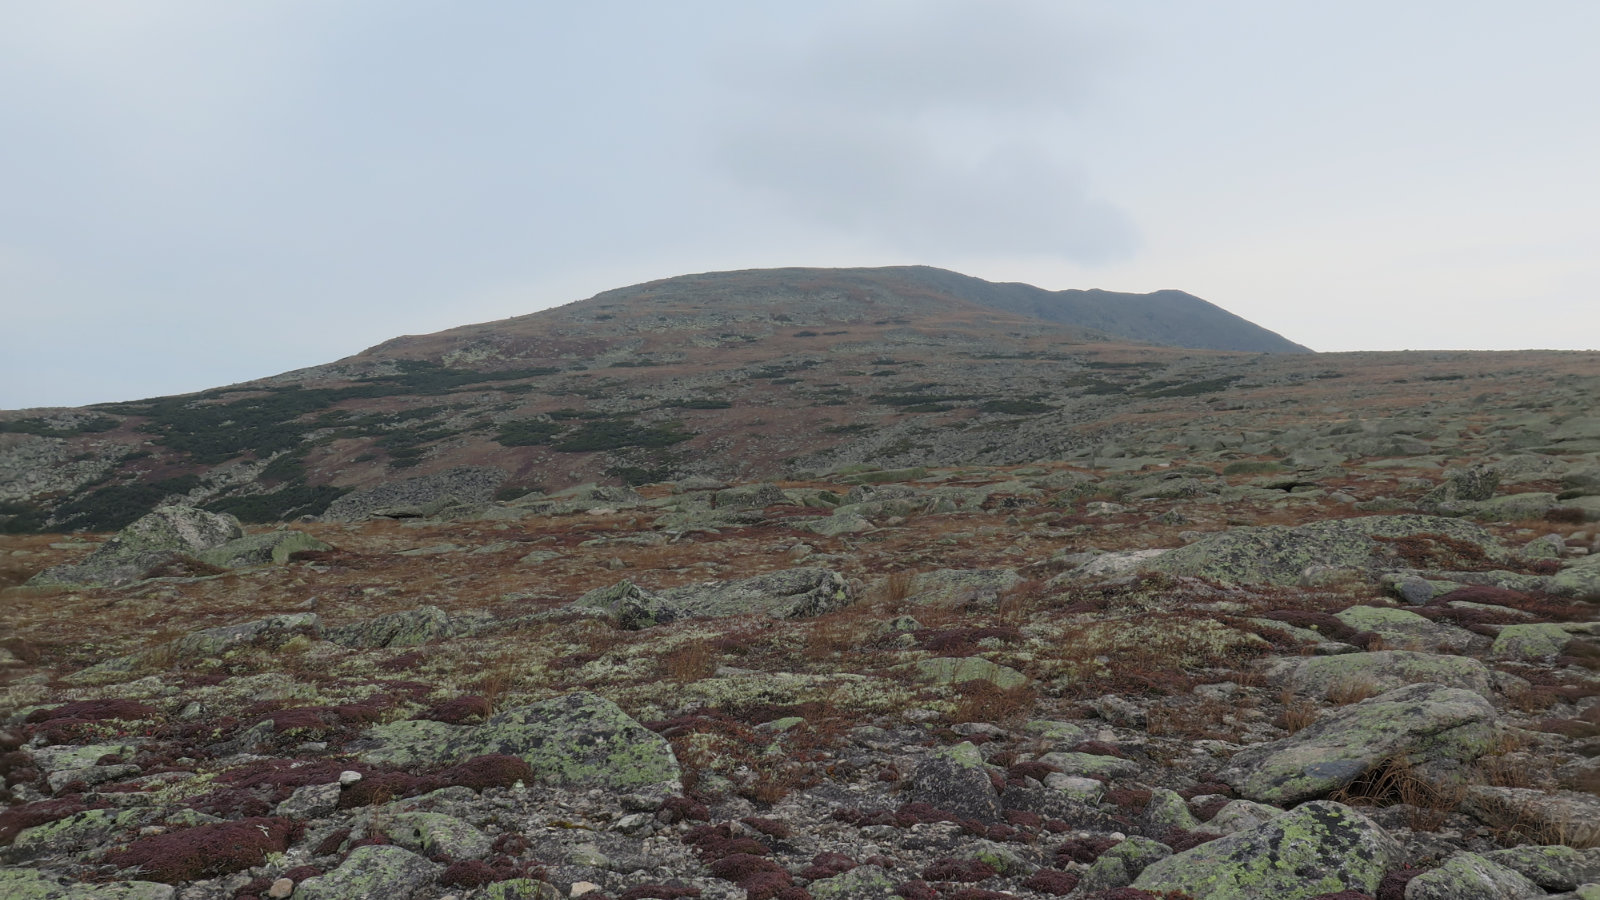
732 375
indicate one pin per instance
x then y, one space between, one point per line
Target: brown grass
1298 712
1397 782
1352 690
691 662
982 701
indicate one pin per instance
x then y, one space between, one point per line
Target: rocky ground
1234 675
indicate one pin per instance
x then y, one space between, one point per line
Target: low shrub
205 851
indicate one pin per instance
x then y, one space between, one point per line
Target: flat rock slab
1535 641
372 871
1437 729
269 548
1318 848
1470 875
958 670
958 587
1279 555
1383 670
788 594
1554 816
578 739
957 780
1400 628
1552 867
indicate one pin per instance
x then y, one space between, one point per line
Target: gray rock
271 631
1120 865
754 496
1439 730
409 628
311 801
958 670
1317 848
460 485
1382 670
433 834
1400 628
956 779
166 534
1540 640
787 594
1242 815
1468 875
1552 867
1565 817
269 548
629 606
578 739
860 883
1278 555
371 871
962 587
1470 484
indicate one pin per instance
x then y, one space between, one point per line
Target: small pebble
579 888
281 888
349 777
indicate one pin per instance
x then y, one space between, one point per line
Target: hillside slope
748 376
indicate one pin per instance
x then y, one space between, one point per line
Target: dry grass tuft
1352 690
982 701
1298 713
690 662
1429 803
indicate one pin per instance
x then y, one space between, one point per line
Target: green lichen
1318 848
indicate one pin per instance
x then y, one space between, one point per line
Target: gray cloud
929 128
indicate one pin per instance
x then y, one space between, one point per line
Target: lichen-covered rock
268 548
1580 579
408 628
1400 628
1553 867
1091 765
1279 555
435 834
1242 815
1437 729
1317 848
629 606
1119 866
28 884
371 871
1383 670
962 587
958 670
270 630
1466 875
787 594
1470 484
1167 809
860 883
166 534
1540 640
578 739
956 779
81 831
750 496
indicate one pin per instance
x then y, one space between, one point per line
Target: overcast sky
195 193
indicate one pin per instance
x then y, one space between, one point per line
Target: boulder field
1168 682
